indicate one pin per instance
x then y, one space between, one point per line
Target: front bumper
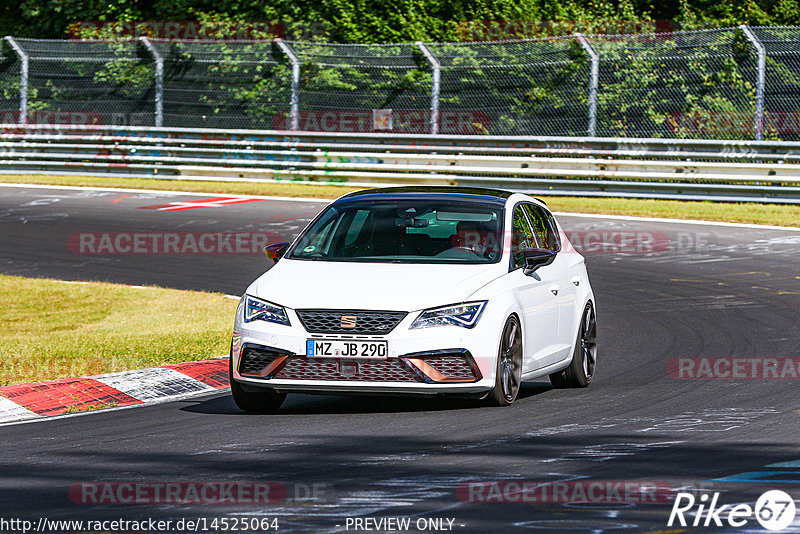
445 359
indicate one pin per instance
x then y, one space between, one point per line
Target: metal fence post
159 80
593 82
294 101
23 80
436 67
762 72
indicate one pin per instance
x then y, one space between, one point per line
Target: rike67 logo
774 510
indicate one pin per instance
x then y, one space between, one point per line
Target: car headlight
465 315
261 310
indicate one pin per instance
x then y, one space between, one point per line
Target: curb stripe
152 384
214 373
53 398
11 411
125 388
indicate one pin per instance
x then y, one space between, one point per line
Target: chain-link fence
782 81
532 87
223 84
86 82
10 74
688 84
735 83
344 87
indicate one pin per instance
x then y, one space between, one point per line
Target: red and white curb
126 388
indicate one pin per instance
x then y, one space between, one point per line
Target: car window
435 227
407 231
522 237
355 227
321 240
544 226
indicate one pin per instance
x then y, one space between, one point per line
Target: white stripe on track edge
159 191
152 384
677 221
10 411
45 418
327 201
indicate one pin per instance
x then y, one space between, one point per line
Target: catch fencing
733 83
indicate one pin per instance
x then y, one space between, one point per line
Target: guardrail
753 171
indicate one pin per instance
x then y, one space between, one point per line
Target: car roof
465 194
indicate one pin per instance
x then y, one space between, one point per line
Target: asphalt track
707 291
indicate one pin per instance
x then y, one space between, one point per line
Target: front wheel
267 401
508 375
584 357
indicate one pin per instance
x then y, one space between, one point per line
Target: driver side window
544 226
522 237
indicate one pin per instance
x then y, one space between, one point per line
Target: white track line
164 400
678 221
160 191
10 411
152 384
327 201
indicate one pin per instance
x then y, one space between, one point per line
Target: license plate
346 348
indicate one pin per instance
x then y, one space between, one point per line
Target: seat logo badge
348 321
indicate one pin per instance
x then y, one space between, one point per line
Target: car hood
377 286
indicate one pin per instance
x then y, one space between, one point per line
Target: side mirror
276 251
537 257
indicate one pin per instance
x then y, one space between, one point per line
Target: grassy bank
772 214
51 329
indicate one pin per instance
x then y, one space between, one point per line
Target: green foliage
385 21
667 86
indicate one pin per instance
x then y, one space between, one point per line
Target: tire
267 401
508 376
584 356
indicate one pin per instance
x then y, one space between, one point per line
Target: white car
419 291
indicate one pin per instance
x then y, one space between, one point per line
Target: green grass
51 329
90 407
772 214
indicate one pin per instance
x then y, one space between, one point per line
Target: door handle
576 280
554 290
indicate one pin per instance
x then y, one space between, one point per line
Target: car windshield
422 231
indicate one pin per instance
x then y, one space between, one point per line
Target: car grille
454 366
254 361
390 370
366 322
